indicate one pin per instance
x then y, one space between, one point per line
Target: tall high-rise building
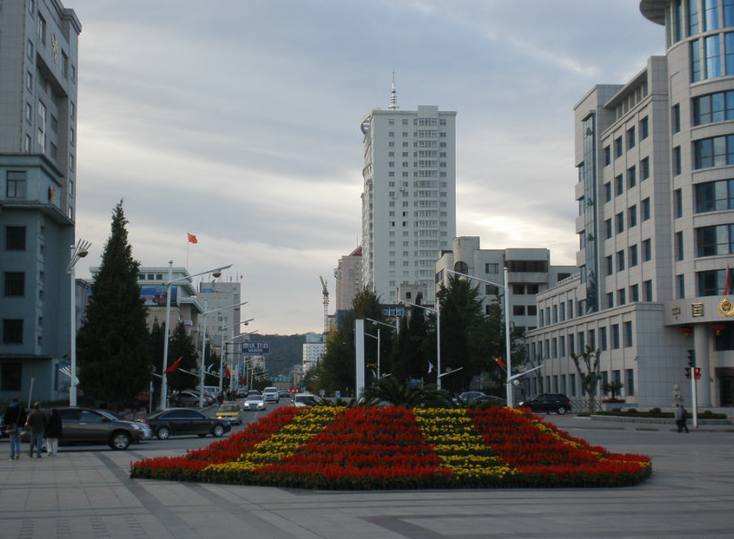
656 223
408 197
38 127
348 275
221 300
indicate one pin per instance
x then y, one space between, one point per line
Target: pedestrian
36 422
14 419
54 431
680 418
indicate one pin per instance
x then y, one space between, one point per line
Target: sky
238 121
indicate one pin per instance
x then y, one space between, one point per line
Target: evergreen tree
157 337
113 345
182 346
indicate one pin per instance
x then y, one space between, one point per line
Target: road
88 493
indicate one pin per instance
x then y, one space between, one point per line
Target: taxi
229 411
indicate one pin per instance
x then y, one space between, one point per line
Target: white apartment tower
408 197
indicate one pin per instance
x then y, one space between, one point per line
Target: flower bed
394 447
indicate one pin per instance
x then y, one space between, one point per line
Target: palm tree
391 391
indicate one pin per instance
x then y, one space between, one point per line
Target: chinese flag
501 363
192 238
227 373
173 367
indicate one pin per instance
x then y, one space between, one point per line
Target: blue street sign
255 348
393 311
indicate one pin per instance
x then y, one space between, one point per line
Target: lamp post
506 287
437 311
216 272
378 340
203 345
80 250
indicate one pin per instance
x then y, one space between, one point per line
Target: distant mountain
285 352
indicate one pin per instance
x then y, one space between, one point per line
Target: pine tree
182 346
113 346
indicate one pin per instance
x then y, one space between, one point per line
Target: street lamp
216 272
80 250
203 347
437 311
378 340
506 287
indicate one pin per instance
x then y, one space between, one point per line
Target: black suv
549 402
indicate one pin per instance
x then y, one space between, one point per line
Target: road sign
393 311
255 348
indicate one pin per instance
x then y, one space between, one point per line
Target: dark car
87 426
190 399
175 421
549 402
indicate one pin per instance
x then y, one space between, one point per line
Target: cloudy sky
238 120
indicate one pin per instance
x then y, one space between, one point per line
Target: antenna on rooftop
393 95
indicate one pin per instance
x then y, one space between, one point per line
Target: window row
619 144
713 152
619 180
709 59
571 344
631 259
550 384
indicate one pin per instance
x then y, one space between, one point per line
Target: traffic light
697 373
688 372
691 358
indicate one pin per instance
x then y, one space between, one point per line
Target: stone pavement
87 494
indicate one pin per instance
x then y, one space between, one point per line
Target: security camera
216 274
82 253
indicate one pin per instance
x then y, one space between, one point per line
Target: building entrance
726 390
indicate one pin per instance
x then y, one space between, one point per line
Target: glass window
607 191
610 300
15 184
643 128
630 138
629 385
646 209
680 285
87 416
728 12
711 283
679 246
615 336
677 20
634 293
618 185
702 110
710 15
621 296
610 265
695 60
678 203
619 218
631 177
729 49
647 290
618 147
692 17
675 118
633 255
14 238
714 196
646 250
627 335
715 240
645 169
607 155
603 338
12 331
712 53
608 228
677 167
620 260
14 284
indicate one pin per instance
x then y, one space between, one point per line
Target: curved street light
78 251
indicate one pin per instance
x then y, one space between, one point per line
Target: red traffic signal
697 372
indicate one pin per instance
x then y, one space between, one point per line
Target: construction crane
325 293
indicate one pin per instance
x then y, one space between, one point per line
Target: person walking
14 419
680 418
36 422
54 431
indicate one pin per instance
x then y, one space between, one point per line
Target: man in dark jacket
54 431
14 420
37 422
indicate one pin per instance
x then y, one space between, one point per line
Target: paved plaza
85 493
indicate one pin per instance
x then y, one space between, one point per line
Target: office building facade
348 276
38 114
408 197
654 222
530 273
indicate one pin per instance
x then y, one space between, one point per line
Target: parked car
253 402
190 399
147 432
549 402
230 411
302 400
176 421
88 426
270 394
473 398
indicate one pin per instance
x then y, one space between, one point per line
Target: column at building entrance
701 345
